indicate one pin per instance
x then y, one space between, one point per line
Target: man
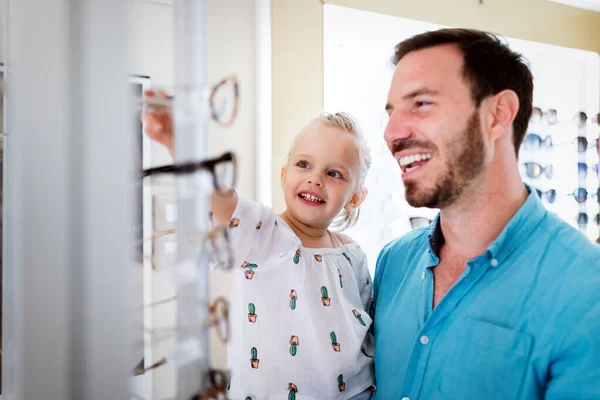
498 298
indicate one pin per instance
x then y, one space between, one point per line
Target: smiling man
498 298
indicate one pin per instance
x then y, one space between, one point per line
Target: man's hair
490 67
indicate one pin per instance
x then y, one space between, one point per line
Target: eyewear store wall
253 50
559 158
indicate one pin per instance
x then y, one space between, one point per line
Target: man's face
434 130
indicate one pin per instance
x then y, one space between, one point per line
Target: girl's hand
158 122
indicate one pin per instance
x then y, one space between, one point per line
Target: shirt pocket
485 361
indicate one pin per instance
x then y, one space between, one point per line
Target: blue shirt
522 321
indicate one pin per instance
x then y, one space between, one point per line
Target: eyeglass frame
193 166
167 102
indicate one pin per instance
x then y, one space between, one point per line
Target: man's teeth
413 158
310 197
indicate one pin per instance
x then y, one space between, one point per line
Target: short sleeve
250 220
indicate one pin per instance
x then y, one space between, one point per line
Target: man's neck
473 223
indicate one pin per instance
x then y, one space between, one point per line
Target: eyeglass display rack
560 158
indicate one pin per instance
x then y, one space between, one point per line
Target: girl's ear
282 175
356 199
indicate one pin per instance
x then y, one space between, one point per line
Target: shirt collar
518 228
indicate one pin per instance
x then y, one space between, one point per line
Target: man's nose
398 127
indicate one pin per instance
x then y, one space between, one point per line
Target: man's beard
465 162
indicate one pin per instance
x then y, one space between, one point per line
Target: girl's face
322 175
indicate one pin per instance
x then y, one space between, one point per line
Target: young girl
299 329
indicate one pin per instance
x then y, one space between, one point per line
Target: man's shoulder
406 245
565 239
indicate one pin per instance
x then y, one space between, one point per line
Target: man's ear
356 199
502 111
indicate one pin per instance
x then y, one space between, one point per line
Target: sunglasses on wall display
581 195
548 195
418 222
535 170
583 219
550 116
583 144
583 168
580 119
533 141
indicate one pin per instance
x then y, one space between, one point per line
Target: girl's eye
302 164
335 174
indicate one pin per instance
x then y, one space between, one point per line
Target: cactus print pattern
325 297
341 383
292 391
251 313
254 358
293 298
359 317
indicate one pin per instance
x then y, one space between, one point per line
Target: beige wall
298 46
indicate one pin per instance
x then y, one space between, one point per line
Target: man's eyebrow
419 92
413 94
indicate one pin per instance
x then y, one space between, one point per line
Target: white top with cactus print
298 320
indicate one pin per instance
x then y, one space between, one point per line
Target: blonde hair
346 123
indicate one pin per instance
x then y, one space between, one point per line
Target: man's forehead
428 66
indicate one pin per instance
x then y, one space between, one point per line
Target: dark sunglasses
223 170
418 222
583 169
583 219
581 195
548 195
534 141
583 144
535 170
580 119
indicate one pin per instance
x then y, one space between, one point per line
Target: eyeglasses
548 195
223 170
223 100
550 116
217 383
580 119
535 170
581 195
583 169
418 222
583 219
583 144
218 318
535 141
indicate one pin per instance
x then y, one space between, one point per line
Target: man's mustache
410 143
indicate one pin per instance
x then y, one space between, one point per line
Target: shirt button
494 262
423 276
405 398
424 339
